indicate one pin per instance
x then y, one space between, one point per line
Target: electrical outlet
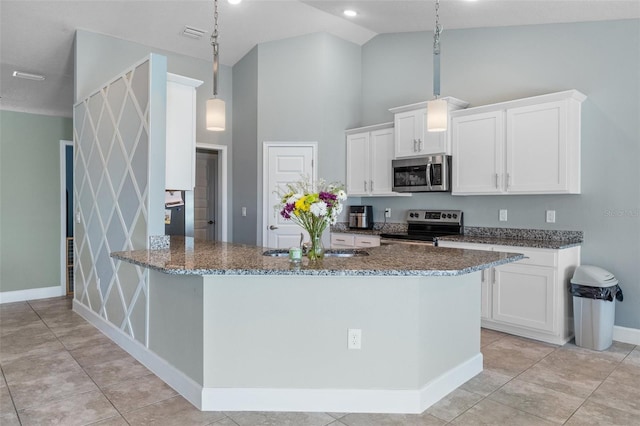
551 216
503 215
354 338
387 212
244 211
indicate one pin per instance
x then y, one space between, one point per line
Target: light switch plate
503 215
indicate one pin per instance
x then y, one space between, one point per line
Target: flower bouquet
313 206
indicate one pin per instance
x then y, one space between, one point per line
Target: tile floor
58 369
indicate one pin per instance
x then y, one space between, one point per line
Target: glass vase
316 250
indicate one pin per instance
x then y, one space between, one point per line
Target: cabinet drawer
342 240
541 257
366 241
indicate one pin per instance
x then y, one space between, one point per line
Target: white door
284 163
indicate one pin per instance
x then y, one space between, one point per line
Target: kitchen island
231 329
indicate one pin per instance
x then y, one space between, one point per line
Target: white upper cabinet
526 146
411 136
181 132
369 155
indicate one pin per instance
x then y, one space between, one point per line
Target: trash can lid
593 276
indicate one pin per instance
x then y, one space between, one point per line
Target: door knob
272 227
211 222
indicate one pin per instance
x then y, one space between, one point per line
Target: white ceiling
37 36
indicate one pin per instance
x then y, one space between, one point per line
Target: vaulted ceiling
37 36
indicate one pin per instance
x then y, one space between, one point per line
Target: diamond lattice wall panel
111 131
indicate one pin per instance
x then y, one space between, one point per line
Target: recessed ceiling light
350 13
28 76
234 1
193 32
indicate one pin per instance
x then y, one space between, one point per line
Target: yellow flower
301 205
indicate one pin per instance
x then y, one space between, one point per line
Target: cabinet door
381 152
477 145
181 140
536 148
523 296
358 164
406 136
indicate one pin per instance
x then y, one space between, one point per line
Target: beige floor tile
486 382
138 393
112 421
489 336
98 354
9 419
260 418
489 412
226 422
20 348
580 361
50 387
174 411
594 414
372 419
28 328
454 404
626 374
616 352
524 347
509 363
82 336
615 395
62 302
78 410
633 358
29 368
116 371
6 404
337 415
537 400
572 382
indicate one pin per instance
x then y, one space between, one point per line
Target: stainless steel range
424 226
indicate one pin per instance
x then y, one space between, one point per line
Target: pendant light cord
215 45
436 52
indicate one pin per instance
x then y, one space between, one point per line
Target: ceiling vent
193 32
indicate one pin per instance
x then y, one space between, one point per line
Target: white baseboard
626 335
31 294
267 399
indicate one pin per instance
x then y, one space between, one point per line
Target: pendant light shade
215 114
437 117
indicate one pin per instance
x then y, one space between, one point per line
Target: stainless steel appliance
361 217
422 174
424 226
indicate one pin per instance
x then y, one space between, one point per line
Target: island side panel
449 323
176 321
291 332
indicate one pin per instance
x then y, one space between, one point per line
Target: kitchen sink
327 253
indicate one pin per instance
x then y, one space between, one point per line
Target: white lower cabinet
528 298
340 240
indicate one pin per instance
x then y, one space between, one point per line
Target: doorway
66 217
210 193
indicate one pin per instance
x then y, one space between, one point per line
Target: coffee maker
361 217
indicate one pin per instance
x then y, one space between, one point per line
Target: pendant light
215 106
437 109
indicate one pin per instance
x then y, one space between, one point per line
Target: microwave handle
429 171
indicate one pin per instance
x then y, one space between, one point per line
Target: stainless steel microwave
430 173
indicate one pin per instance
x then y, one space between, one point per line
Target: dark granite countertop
186 256
515 237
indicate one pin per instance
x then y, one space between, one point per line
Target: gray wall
482 66
30 199
99 57
308 89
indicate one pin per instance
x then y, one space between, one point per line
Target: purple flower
327 197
